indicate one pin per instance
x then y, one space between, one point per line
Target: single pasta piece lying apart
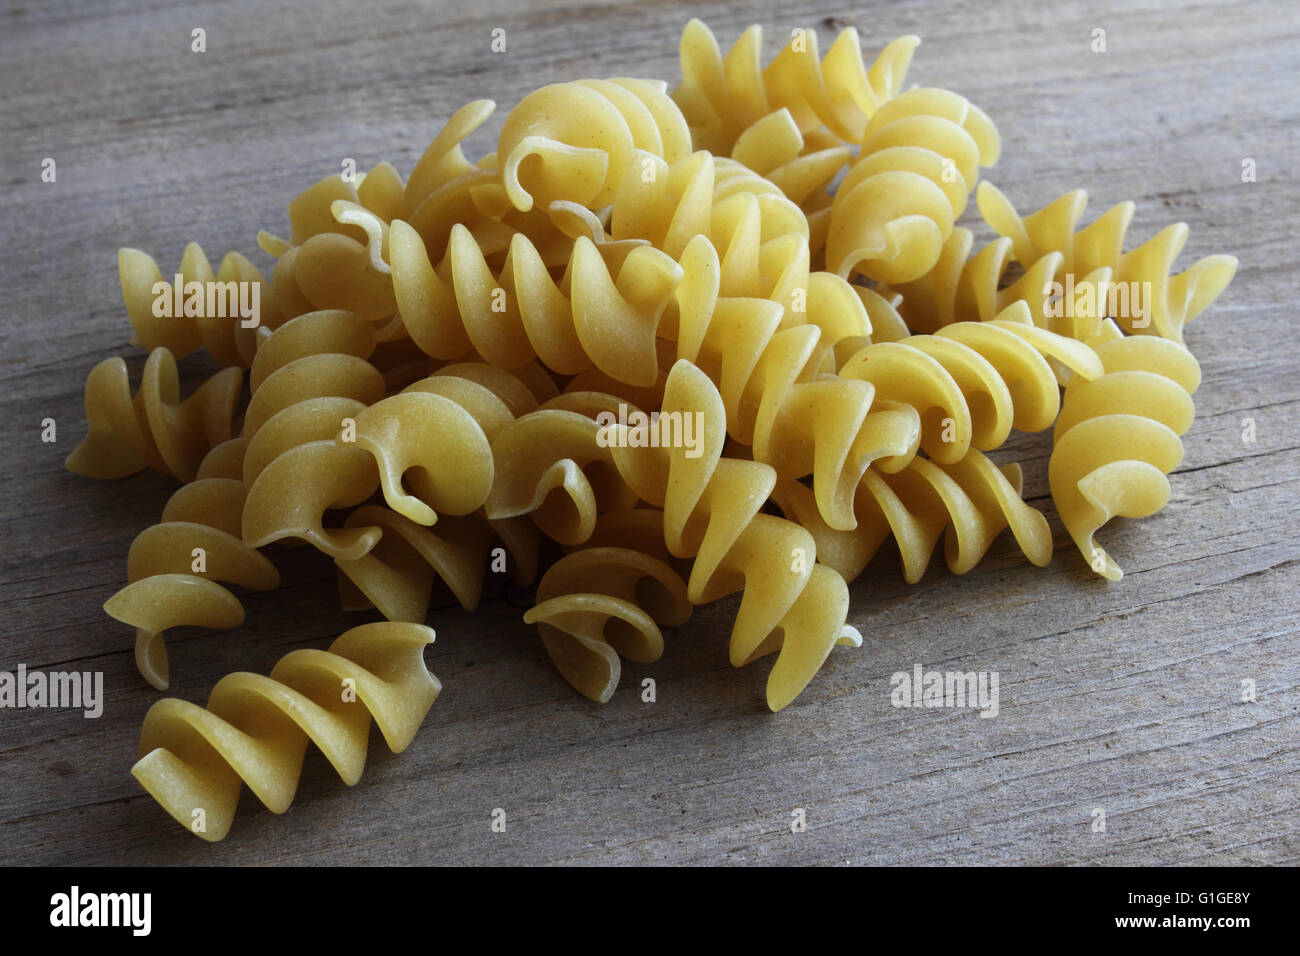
255 729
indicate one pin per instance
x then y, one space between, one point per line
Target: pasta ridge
968 503
972 382
574 141
225 336
722 97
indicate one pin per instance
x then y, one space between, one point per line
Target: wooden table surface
1125 697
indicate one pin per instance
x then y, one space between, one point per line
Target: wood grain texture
1120 696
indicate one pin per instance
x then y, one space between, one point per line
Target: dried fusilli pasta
255 730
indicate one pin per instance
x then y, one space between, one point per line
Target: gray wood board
1124 697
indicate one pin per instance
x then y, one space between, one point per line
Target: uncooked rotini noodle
255 729
155 428
552 466
599 313
723 97
972 382
575 141
398 575
293 468
761 236
435 436
774 148
965 288
602 603
511 310
430 443
896 206
972 499
439 191
1118 437
1174 299
173 568
222 332
798 421
790 605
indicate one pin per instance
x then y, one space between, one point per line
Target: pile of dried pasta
765 256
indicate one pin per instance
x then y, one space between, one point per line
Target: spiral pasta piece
771 388
225 334
173 568
1174 300
972 500
255 729
1118 437
397 576
790 605
155 428
920 158
554 466
606 602
575 141
972 382
723 98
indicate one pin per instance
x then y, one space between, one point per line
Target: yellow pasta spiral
155 428
575 141
973 500
200 529
606 602
799 421
224 336
553 466
972 382
1118 437
397 576
604 311
920 158
1174 299
255 729
790 605
723 97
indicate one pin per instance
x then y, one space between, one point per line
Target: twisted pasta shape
723 98
920 157
225 337
1118 437
965 288
155 428
164 590
575 141
972 499
772 390
602 313
790 605
397 576
1175 299
553 466
972 382
605 602
310 376
255 729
